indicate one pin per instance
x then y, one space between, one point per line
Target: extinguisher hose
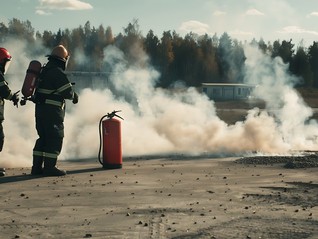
100 139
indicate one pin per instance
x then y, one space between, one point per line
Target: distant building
227 91
93 80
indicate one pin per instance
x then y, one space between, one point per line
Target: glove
75 98
15 99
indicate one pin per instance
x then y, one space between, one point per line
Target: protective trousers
50 129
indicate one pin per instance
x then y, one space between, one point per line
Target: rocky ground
164 197
306 160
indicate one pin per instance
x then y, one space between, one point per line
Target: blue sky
241 19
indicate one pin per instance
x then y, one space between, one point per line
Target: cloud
62 5
194 26
253 12
297 30
313 14
42 12
219 13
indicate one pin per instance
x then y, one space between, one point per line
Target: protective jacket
54 86
5 93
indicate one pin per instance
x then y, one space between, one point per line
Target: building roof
228 84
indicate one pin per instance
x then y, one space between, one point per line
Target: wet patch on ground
257 227
303 161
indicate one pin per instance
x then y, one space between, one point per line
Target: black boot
37 166
50 169
2 172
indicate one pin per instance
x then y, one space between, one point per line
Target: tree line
191 59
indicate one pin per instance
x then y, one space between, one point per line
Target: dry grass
233 111
310 96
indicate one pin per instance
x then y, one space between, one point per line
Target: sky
242 19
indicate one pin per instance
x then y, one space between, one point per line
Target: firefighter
52 90
5 93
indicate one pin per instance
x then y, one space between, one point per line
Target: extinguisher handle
113 114
118 116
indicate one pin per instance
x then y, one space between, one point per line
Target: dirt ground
168 197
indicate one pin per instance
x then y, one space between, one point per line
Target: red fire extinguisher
110 139
30 80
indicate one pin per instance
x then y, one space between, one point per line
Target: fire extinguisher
110 139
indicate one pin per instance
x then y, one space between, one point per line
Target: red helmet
4 55
5 59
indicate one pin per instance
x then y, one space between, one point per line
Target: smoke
158 121
275 87
19 128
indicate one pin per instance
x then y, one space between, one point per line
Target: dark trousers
49 122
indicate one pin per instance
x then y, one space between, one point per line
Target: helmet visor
6 66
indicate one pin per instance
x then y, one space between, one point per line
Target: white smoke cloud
18 125
158 121
275 87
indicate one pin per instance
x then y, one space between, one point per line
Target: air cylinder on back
31 78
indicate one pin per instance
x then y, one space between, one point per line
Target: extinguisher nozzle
22 102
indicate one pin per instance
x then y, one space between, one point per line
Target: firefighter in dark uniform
5 93
52 90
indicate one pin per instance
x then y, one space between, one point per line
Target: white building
93 80
227 91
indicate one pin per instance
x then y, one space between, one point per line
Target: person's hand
15 98
75 98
